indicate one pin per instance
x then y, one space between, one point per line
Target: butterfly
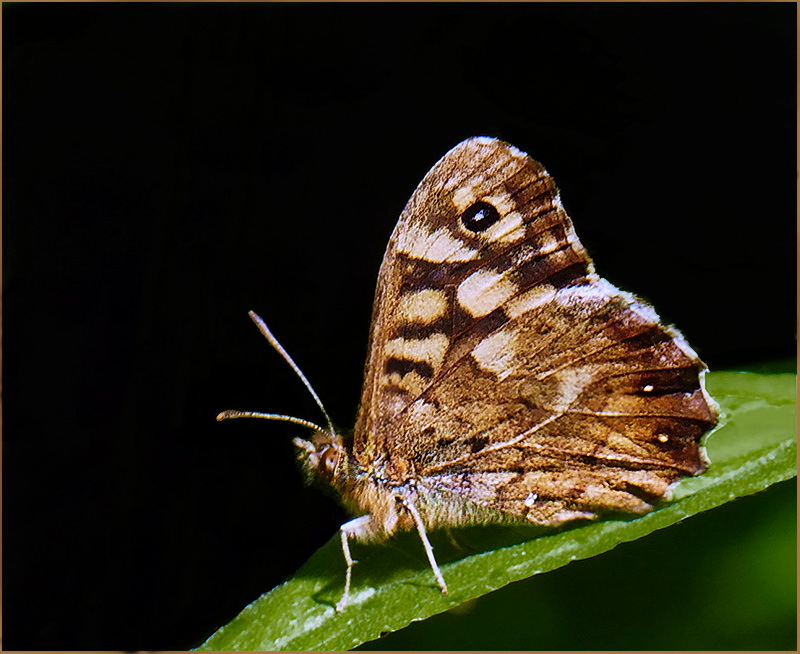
505 380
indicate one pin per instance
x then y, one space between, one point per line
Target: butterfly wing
503 370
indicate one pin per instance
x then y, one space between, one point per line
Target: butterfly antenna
262 327
225 415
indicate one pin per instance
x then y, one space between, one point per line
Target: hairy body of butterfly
505 380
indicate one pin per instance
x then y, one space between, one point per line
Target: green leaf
753 448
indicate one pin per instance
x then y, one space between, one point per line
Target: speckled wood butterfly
505 380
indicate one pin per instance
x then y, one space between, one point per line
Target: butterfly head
322 457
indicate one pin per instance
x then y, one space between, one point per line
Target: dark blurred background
168 167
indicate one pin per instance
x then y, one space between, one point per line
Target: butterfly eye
329 460
479 217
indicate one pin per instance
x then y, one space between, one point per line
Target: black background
168 167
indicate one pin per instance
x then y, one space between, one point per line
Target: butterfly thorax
363 489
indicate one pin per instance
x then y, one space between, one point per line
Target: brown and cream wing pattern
502 368
418 316
603 413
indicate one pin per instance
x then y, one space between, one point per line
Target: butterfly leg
348 530
412 509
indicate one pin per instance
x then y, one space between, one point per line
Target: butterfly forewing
503 370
